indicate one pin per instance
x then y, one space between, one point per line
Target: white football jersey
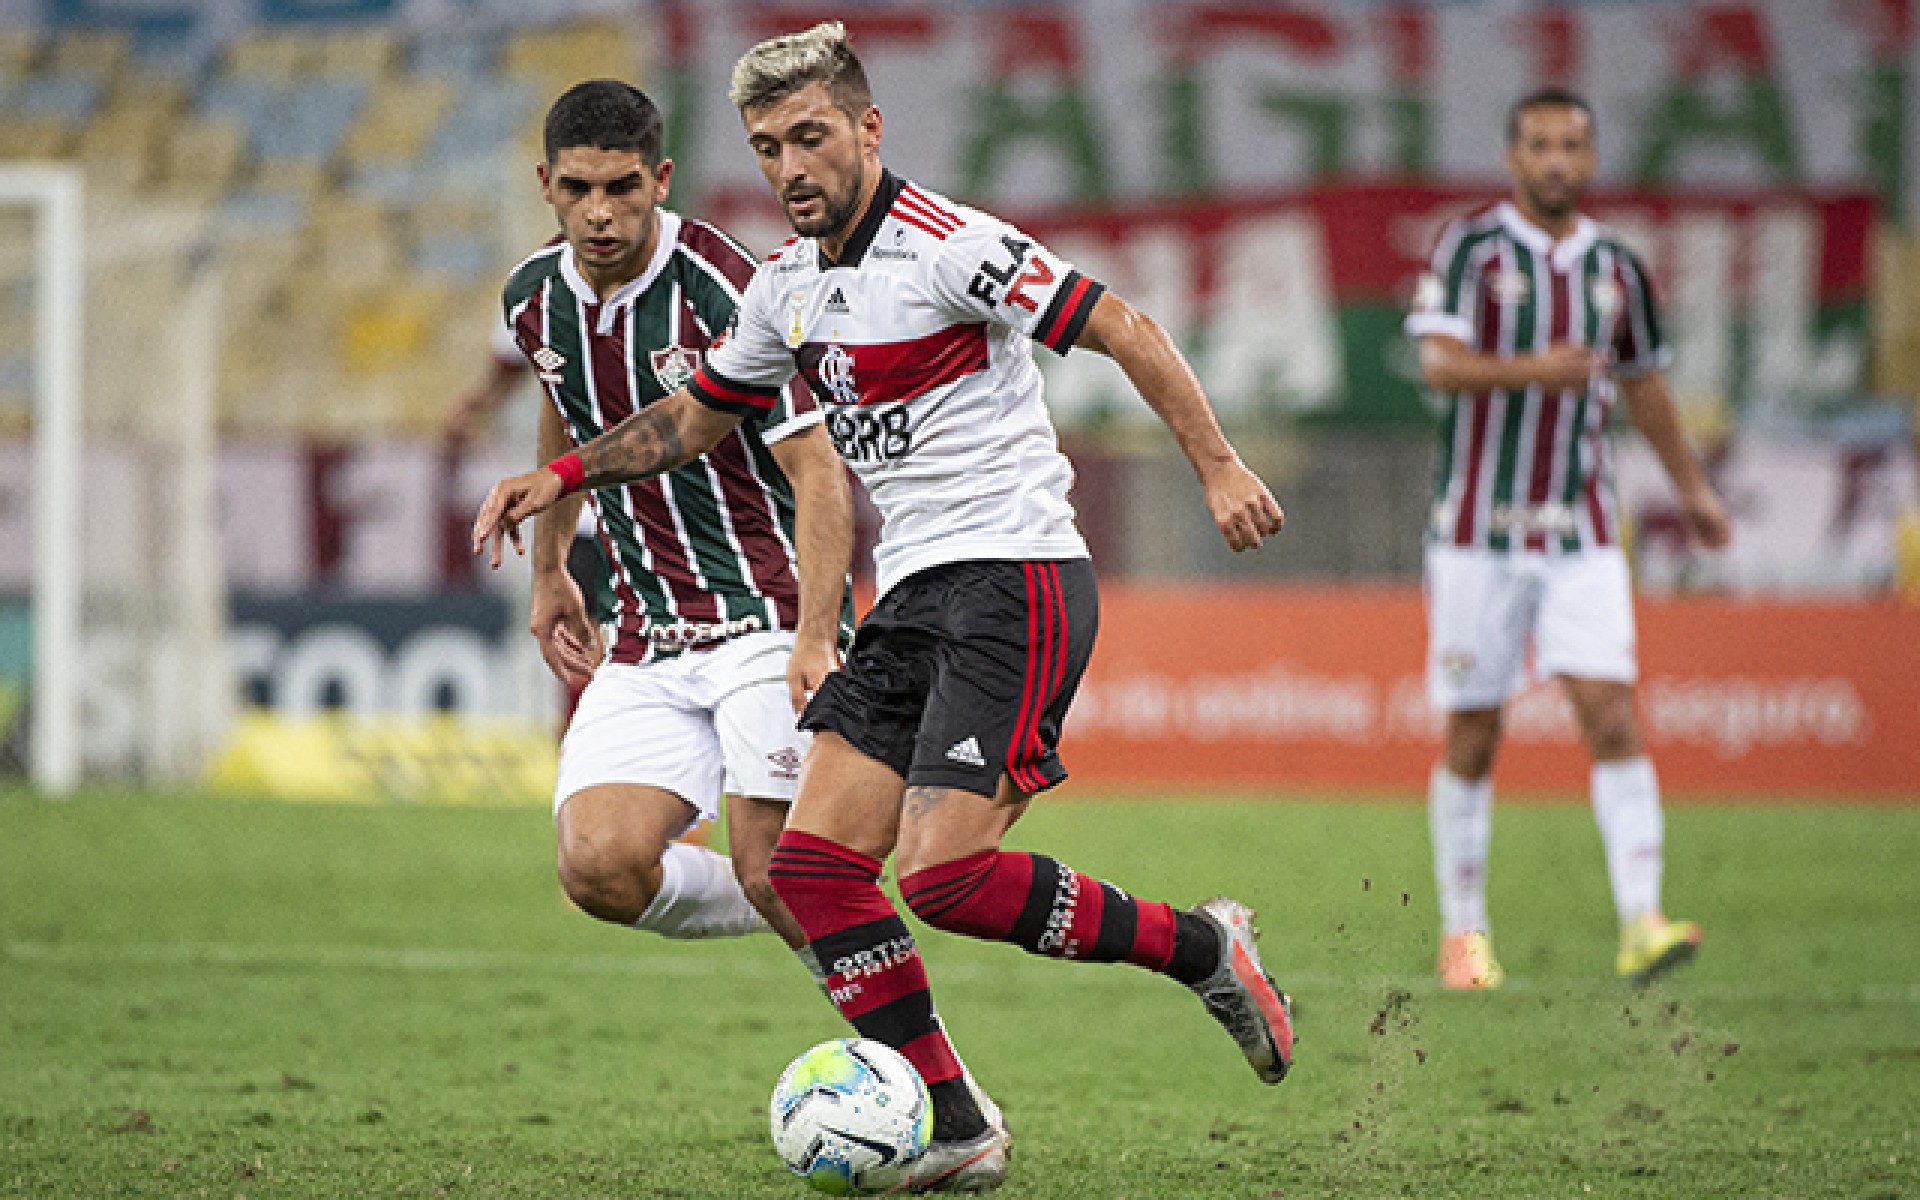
918 345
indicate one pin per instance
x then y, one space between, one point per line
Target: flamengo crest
836 371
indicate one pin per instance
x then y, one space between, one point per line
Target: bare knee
607 870
765 900
1473 737
1613 735
1607 717
604 885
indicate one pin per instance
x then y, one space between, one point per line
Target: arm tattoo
646 444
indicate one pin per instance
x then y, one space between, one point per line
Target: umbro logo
1511 287
784 763
548 362
837 301
968 753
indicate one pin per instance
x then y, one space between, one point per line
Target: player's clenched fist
510 502
1242 507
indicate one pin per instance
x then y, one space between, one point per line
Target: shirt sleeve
504 346
747 368
1639 344
989 271
793 410
1448 293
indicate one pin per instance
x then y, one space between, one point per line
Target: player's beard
1557 204
836 211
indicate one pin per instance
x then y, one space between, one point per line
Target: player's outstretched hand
1242 507
510 502
1707 519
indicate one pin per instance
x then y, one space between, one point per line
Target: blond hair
781 66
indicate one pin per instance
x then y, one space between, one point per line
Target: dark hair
606 115
1546 97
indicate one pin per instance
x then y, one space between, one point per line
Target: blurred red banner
1197 688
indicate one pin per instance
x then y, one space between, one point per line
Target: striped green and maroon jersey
1526 468
706 551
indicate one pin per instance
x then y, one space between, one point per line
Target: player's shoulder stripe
922 212
516 307
938 206
780 251
710 246
532 270
1605 238
547 256
1465 233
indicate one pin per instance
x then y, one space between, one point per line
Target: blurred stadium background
297 215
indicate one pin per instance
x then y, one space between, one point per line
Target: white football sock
698 897
1626 804
811 962
1460 817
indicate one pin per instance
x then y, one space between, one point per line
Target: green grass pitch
216 998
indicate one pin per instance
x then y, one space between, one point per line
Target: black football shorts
963 672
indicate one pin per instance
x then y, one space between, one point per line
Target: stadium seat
556 57
355 243
309 119
68 97
366 54
34 138
100 53
18 49
273 57
120 154
394 126
355 174
467 56
200 158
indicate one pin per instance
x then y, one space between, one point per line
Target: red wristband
571 472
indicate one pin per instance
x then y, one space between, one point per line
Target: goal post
130 673
56 196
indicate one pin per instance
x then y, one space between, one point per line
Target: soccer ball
851 1116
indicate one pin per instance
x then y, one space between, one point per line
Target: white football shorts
701 724
1485 609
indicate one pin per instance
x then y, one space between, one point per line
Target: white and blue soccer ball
851 1116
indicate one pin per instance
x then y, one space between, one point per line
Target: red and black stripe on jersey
896 371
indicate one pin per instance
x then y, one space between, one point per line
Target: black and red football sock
1046 907
874 975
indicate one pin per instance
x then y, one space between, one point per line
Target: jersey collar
863 233
1564 252
669 237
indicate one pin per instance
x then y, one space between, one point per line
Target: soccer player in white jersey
912 318
728 574
1533 318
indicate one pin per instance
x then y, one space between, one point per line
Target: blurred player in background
1533 319
586 560
913 318
728 574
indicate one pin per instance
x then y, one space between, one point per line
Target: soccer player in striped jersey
1532 320
913 320
728 574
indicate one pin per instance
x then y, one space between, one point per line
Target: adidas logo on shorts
967 752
